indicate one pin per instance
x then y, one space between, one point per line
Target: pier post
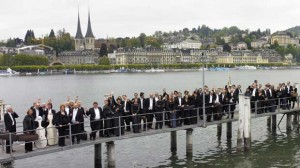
189 141
98 154
1 110
288 121
229 130
240 121
219 131
247 124
295 119
111 154
274 123
269 121
173 140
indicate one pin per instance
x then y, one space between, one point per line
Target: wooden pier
242 115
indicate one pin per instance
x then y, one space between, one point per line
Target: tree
103 50
29 37
226 48
104 61
52 34
142 38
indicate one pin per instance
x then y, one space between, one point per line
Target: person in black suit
236 93
178 100
62 121
28 128
127 111
37 111
253 96
294 95
48 112
84 115
96 119
76 117
210 99
143 110
150 110
10 125
289 89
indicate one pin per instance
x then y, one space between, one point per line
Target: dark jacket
9 126
28 124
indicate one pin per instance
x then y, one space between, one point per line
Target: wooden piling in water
229 130
189 141
241 121
247 124
173 136
288 121
98 155
274 123
111 154
269 121
219 130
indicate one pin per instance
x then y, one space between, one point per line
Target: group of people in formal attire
174 109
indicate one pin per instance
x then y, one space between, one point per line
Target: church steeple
78 33
89 32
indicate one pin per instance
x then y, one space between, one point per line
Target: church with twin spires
87 42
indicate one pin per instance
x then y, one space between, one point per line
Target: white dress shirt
74 115
11 117
150 104
97 113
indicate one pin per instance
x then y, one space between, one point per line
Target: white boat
201 69
8 72
154 70
246 67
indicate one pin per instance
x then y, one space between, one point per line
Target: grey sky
121 18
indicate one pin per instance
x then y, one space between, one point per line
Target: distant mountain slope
295 30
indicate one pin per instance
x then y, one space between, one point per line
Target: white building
187 44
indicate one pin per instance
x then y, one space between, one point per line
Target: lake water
269 149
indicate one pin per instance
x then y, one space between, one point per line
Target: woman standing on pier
108 115
62 121
135 108
160 107
170 107
28 128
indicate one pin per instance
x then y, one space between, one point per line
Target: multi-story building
283 39
78 57
261 43
187 44
241 59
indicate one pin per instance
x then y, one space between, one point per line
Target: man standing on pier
76 117
10 125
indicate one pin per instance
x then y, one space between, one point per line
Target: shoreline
146 71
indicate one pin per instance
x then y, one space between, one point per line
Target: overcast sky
121 18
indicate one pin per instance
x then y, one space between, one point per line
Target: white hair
8 107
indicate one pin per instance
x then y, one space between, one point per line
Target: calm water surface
269 148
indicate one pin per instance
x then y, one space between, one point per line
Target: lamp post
203 87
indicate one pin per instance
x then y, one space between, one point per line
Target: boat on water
205 69
246 67
154 70
8 72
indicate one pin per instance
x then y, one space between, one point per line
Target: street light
203 87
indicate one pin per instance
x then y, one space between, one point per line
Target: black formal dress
108 120
61 121
179 110
10 126
160 107
96 124
28 128
171 112
118 119
135 108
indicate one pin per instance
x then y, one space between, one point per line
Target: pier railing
184 116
